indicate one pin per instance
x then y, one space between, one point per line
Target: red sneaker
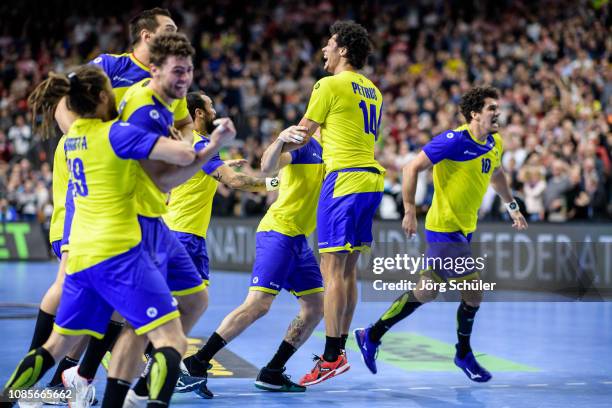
324 370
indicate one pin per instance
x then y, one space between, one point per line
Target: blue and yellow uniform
190 207
123 70
108 268
142 107
283 258
60 196
461 174
348 107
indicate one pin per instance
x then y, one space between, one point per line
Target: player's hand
236 162
224 132
175 134
409 223
293 134
519 221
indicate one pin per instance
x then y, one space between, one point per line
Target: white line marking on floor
248 394
499 386
334 391
380 389
459 386
575 383
607 382
537 385
419 388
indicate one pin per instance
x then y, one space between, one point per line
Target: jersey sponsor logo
317 156
152 312
450 135
121 79
124 124
154 114
275 285
470 153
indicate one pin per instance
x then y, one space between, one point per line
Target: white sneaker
84 392
132 400
29 404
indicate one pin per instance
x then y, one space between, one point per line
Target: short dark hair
165 45
355 39
146 20
474 99
195 101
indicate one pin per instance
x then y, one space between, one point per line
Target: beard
208 126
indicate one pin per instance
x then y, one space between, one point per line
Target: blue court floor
541 354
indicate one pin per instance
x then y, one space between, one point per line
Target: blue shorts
196 248
445 246
56 246
128 283
170 257
284 262
344 220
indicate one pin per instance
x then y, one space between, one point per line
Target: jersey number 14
371 121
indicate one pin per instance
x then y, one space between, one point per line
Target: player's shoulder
451 137
497 137
110 59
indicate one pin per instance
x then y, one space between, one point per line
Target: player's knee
260 309
473 297
425 295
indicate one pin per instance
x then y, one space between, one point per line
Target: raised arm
273 158
167 177
409 184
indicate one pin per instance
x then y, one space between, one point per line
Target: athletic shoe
55 401
187 382
194 374
203 391
368 348
133 400
471 368
324 370
276 380
84 392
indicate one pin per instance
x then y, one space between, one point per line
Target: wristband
512 206
272 183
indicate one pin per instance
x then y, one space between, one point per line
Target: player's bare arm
273 158
409 184
501 187
311 127
167 177
239 181
185 128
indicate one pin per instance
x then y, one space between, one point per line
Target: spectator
20 135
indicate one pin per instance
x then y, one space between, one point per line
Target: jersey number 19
77 176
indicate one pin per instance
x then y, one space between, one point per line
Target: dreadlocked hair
81 86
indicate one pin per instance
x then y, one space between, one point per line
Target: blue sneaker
471 368
187 382
368 348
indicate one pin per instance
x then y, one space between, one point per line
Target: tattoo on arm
296 333
248 183
217 176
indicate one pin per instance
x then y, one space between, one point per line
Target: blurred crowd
549 59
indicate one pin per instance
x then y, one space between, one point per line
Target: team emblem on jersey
317 85
450 135
255 279
154 114
97 60
152 312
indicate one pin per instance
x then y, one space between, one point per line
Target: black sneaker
275 380
196 367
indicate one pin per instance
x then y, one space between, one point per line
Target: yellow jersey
60 189
105 222
295 210
190 204
348 108
142 107
461 175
